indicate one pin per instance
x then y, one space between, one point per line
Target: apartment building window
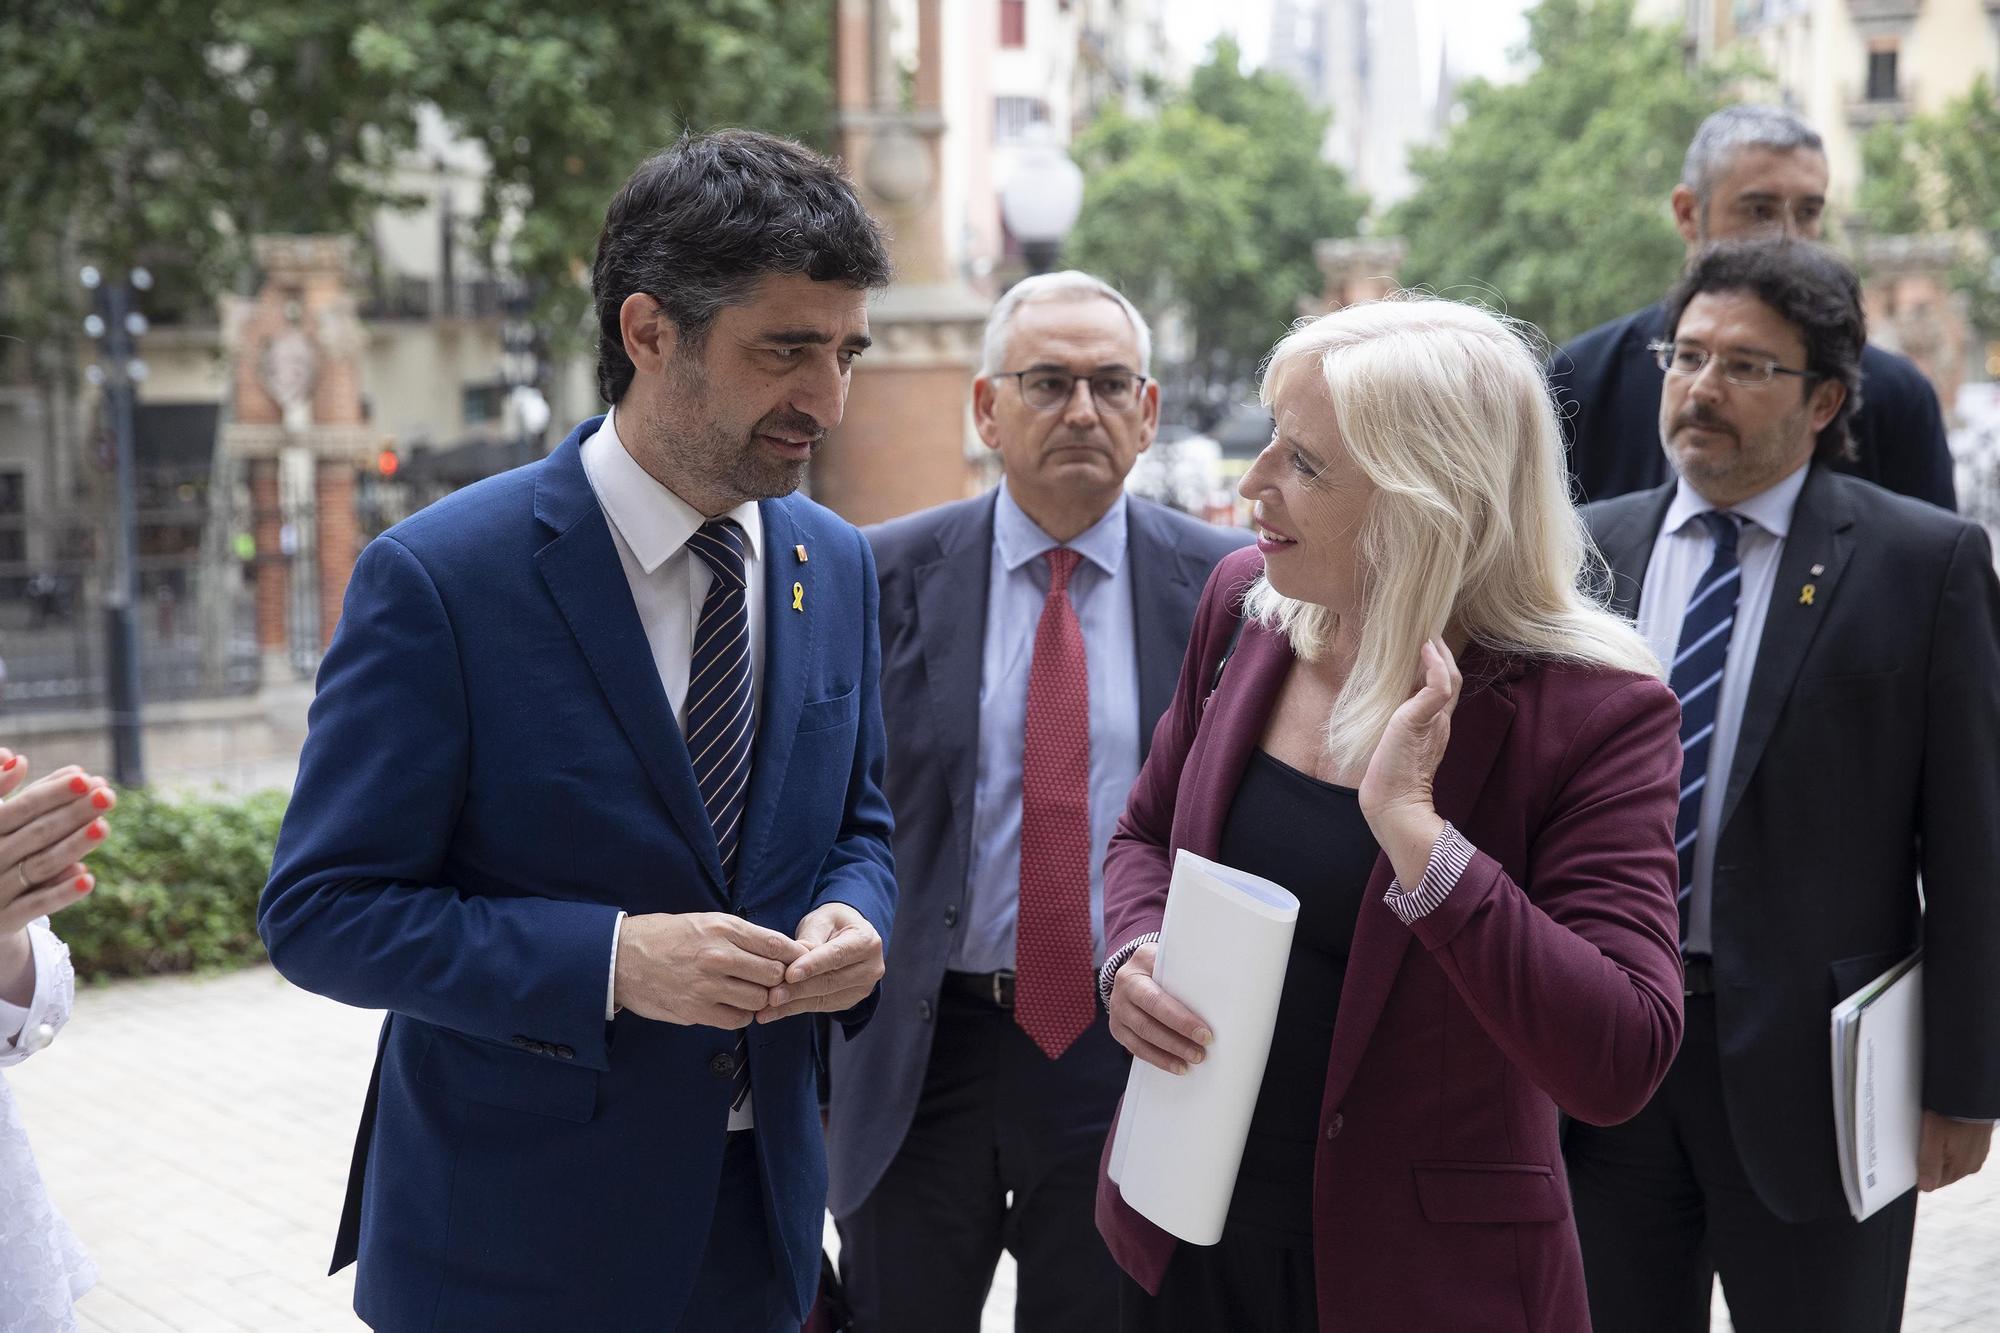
1882 72
1013 23
1013 115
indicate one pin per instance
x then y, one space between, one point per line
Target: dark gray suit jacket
1869 754
933 568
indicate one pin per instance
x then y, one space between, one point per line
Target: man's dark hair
696 226
1809 287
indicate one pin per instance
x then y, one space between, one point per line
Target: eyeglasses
1745 370
1047 390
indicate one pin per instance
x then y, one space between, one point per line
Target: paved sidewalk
196 1132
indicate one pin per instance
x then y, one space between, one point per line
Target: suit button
722 1065
1333 1126
522 1042
924 1010
950 916
565 1053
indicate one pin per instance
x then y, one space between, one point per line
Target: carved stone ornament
287 370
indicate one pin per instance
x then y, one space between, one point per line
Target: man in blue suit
592 802
1031 638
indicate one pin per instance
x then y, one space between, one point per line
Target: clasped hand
718 970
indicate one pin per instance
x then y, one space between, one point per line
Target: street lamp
1041 197
114 323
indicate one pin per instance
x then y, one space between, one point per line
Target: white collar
655 522
1770 508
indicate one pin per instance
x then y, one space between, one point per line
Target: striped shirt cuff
1109 972
1450 855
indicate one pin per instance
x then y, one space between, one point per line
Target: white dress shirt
1681 553
650 526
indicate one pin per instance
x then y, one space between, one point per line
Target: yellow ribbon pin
799 597
800 551
1806 595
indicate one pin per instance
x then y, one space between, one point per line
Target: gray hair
1070 284
1729 131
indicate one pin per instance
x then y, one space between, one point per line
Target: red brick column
274 584
337 539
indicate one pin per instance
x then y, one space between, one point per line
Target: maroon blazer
1550 978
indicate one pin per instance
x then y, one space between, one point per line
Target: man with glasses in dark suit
1750 171
1030 639
1836 652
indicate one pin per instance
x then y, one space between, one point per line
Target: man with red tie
1030 639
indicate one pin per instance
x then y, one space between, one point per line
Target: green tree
1548 197
566 101
170 131
1942 172
1209 209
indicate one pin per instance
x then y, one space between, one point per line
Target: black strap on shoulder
1215 680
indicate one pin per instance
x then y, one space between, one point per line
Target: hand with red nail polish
47 827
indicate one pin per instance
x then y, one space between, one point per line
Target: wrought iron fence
196 612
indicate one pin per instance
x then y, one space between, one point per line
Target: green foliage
177 886
1942 172
1210 208
170 131
1549 197
566 100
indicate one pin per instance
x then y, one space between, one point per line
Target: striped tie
719 722
1697 678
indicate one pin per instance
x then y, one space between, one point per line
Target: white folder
1878 1046
1224 946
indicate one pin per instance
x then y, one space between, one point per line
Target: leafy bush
177 886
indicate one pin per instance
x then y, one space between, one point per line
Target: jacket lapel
1478 729
1230 727
788 640
1820 537
951 592
1627 545
581 568
1166 583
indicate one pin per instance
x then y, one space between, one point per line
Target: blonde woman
46 829
1468 772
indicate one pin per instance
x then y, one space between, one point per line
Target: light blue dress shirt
1681 553
1101 591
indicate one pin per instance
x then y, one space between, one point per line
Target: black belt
1699 970
994 988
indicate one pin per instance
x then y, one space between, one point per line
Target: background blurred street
196 1132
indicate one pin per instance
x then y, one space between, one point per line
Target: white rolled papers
1224 944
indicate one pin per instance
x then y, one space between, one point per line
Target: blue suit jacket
934 570
492 773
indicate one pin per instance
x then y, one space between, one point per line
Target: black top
1309 837
1607 391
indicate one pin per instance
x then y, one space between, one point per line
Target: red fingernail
9 765
98 828
101 799
83 884
78 785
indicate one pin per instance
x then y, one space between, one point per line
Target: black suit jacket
933 568
1869 755
1607 389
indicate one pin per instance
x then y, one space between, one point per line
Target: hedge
177 886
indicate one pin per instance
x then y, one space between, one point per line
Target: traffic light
386 463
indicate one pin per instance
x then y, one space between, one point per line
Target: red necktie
1052 953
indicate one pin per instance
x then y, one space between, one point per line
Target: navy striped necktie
1696 677
720 726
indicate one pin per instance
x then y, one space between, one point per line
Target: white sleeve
25 1031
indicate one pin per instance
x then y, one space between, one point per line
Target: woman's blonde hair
1442 406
